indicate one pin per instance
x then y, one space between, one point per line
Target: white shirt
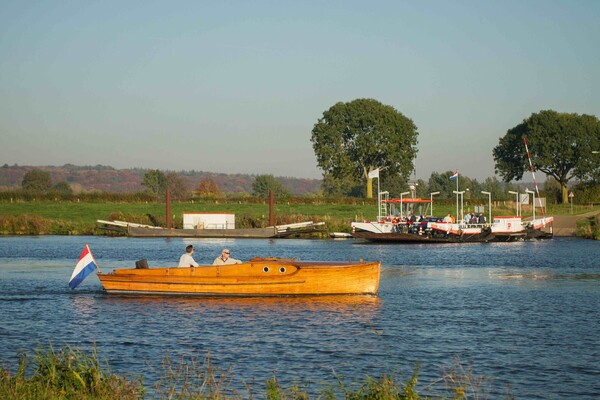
228 261
187 260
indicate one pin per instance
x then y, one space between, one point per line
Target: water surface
526 314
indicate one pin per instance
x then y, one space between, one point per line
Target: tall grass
66 374
72 374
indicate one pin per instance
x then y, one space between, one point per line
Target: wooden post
168 208
271 208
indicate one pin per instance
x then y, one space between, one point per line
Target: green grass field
72 217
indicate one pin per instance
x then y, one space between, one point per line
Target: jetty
276 231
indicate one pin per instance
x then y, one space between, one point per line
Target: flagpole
534 182
93 258
456 196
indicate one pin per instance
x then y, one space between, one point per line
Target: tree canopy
207 187
178 185
561 146
37 180
156 182
352 139
264 183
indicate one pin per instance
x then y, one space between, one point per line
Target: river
525 314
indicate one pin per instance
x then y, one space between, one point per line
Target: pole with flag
375 174
534 182
85 266
453 177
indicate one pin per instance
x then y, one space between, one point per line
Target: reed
72 374
66 374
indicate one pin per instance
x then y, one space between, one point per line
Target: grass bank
72 217
72 374
589 228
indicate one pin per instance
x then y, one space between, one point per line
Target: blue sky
236 86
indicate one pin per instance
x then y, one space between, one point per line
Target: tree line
39 183
357 140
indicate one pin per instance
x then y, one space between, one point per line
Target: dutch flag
453 177
85 266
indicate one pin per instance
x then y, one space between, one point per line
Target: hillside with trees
108 179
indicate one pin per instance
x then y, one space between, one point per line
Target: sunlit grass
72 374
79 218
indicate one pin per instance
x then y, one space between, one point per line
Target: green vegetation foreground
72 374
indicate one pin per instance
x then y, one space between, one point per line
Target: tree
264 183
37 180
560 145
440 182
208 188
352 139
495 187
155 181
62 188
178 185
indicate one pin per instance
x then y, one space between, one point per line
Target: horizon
238 87
91 167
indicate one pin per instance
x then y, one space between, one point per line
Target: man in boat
224 259
186 260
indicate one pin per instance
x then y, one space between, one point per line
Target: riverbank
566 225
80 218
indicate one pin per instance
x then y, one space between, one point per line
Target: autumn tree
178 185
37 180
208 188
562 146
353 139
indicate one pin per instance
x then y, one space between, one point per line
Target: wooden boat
257 277
277 231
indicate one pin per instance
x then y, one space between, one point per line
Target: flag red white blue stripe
454 176
85 266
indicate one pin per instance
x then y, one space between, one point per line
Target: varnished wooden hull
261 277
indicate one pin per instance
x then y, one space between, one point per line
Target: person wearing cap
224 259
186 260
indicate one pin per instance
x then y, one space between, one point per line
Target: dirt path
565 225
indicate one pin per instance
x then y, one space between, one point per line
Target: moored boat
257 277
392 226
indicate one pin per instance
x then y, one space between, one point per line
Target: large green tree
352 139
561 146
37 180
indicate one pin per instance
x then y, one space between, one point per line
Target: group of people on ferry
469 218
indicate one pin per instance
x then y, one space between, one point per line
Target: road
565 225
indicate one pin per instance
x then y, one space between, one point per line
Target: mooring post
271 208
168 208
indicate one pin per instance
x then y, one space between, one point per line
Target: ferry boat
392 225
